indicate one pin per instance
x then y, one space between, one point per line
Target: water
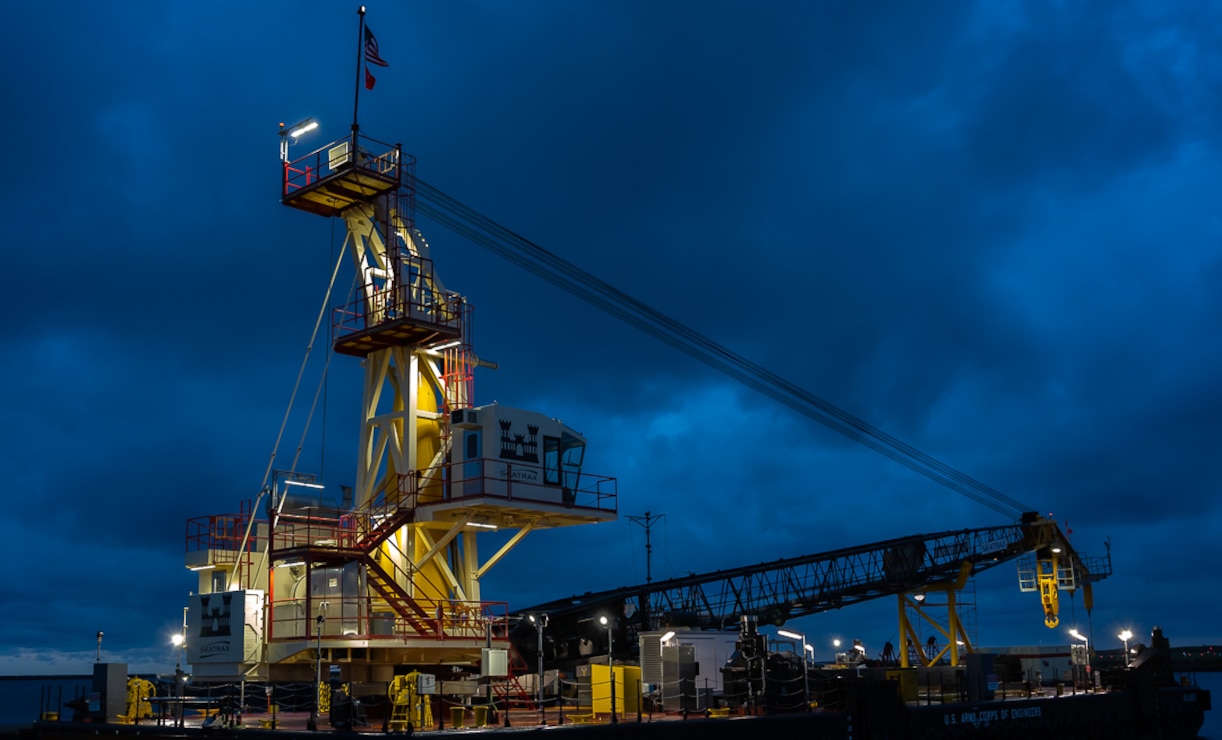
19 695
19 698
1212 730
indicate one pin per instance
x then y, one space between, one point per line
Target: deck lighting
666 637
303 128
294 132
304 484
481 525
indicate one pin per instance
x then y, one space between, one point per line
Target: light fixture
201 567
481 525
1126 636
304 127
293 564
303 484
176 639
669 634
448 345
293 132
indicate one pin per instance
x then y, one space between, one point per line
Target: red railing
420 305
379 158
368 618
222 535
483 478
524 482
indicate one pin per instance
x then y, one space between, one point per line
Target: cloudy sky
989 229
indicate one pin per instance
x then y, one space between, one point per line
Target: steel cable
483 231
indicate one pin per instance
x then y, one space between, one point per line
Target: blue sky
988 229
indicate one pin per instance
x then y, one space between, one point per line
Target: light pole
1125 637
312 723
805 667
539 624
99 659
179 641
666 637
1086 648
610 667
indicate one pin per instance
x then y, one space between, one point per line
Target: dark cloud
989 231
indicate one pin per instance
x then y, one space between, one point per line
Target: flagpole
356 101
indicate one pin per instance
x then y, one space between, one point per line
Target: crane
790 588
396 569
390 575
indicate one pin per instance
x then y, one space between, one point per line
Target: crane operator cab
514 454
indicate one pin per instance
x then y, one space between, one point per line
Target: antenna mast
647 522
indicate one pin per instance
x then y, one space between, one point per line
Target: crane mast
389 576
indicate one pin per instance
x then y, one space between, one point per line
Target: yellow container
627 686
481 715
456 714
907 680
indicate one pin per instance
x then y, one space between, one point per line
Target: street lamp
805 666
1125 637
320 620
179 641
539 624
608 623
1086 648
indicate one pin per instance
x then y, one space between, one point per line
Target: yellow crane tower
391 577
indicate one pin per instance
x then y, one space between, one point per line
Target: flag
372 57
371 50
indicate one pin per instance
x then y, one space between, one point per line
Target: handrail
372 156
366 618
426 306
